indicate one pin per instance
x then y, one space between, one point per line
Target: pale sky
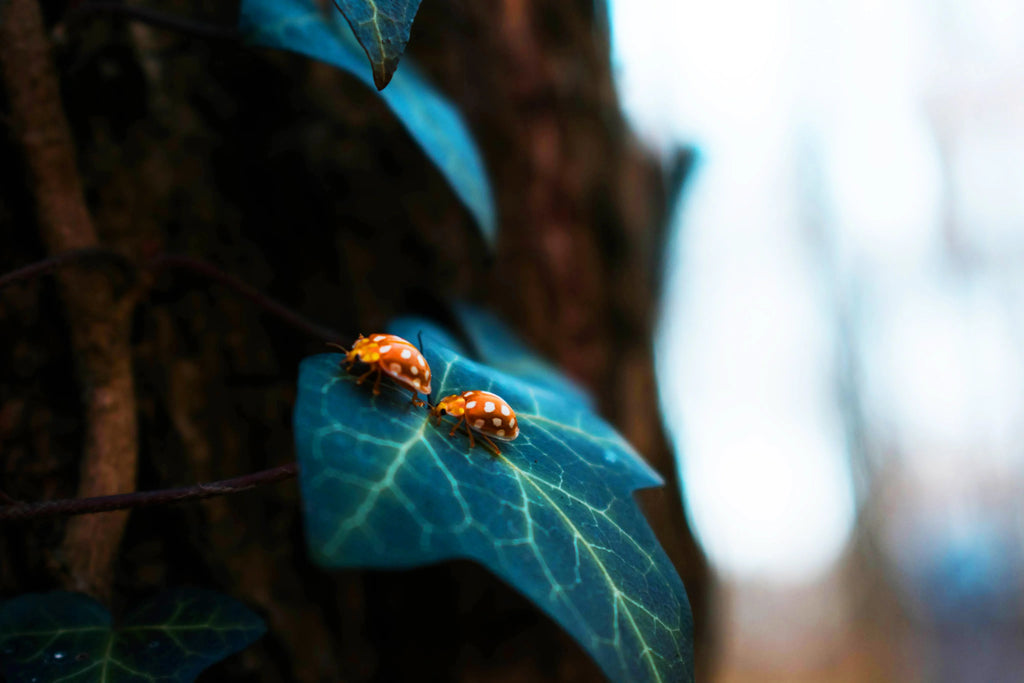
821 187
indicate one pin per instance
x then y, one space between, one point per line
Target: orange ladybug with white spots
387 354
483 412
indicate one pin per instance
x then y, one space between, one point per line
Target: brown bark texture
98 321
297 179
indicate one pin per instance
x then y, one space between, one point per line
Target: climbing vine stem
85 506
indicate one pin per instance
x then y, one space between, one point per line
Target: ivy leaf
299 26
493 343
382 27
499 347
553 515
169 639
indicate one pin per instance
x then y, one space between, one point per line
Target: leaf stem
254 295
121 501
168 261
48 265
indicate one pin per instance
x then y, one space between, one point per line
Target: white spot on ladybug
511 422
416 380
385 349
504 410
396 368
422 362
488 407
496 421
406 354
478 424
471 404
501 432
378 337
414 370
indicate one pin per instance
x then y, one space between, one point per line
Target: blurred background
840 350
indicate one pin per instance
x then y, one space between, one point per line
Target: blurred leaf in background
434 122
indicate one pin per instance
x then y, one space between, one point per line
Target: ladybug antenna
419 343
337 346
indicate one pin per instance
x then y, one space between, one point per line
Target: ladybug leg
367 374
491 443
470 432
376 384
457 423
346 365
416 400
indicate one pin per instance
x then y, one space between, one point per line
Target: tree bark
98 320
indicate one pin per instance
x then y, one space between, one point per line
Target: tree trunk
295 178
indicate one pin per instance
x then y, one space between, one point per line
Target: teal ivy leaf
553 515
382 27
434 122
169 639
416 329
498 346
491 342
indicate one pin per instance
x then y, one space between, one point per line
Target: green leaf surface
382 27
434 122
170 639
553 515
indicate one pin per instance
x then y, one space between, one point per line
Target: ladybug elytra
387 354
483 412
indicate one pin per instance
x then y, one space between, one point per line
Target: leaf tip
383 71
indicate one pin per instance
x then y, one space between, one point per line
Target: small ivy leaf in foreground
553 515
434 122
382 27
169 639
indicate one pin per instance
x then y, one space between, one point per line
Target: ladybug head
364 350
450 405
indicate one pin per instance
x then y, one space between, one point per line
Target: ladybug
393 356
483 412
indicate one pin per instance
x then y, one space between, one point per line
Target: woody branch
99 321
